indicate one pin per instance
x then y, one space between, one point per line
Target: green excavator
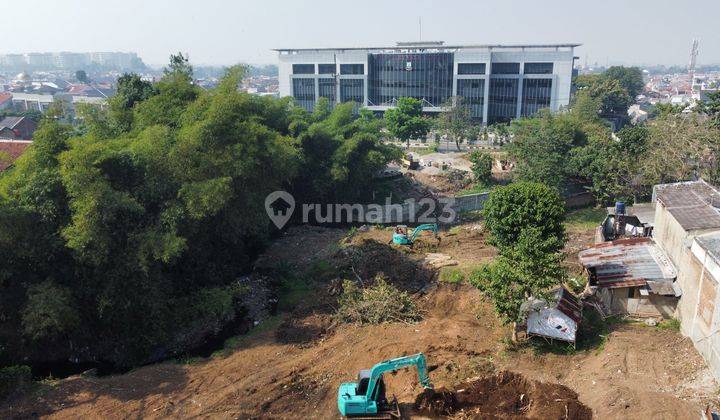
401 237
366 397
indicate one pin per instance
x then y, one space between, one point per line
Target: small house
632 276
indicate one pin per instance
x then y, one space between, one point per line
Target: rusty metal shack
632 276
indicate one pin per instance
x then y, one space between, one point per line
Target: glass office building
497 82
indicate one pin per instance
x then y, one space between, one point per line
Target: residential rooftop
711 243
628 262
694 204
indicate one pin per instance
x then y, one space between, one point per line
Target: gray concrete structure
687 227
499 82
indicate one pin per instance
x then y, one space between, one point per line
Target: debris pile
437 260
504 395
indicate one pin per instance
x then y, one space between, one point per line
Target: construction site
451 357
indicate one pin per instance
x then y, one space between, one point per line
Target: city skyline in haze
217 32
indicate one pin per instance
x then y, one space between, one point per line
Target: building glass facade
304 92
502 100
352 90
536 95
424 76
473 93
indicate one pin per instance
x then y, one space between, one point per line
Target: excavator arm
429 226
417 360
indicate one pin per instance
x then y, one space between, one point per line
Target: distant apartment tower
498 82
70 60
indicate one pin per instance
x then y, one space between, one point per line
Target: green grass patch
475 188
455 230
586 218
671 324
452 275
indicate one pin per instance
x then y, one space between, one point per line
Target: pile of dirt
505 395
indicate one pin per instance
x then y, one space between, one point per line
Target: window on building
352 90
326 88
538 68
304 93
536 94
427 77
352 68
502 100
505 68
473 93
303 68
471 68
326 68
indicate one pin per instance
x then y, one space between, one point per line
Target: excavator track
390 412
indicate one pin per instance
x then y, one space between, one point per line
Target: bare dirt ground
291 366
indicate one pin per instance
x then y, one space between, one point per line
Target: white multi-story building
497 82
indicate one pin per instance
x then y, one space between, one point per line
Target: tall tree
630 78
81 76
525 224
405 121
456 122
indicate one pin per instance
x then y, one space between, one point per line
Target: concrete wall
698 276
702 323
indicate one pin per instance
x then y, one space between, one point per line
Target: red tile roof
5 96
14 148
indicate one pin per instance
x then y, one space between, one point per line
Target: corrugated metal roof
569 304
695 204
627 262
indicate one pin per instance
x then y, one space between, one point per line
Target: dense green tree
525 221
512 209
405 121
81 76
482 163
456 122
711 108
541 146
613 166
630 78
124 243
525 270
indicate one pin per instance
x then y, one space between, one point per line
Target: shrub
14 379
381 302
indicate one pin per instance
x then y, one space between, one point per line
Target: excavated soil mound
506 395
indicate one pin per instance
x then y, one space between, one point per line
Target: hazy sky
227 32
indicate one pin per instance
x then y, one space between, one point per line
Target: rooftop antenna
420 25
